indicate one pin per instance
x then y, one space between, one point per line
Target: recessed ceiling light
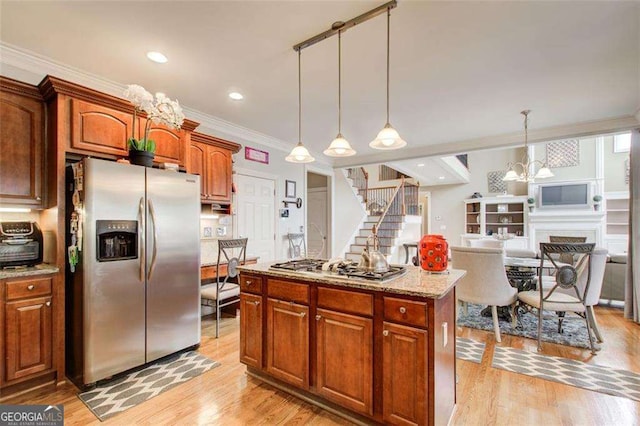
236 96
441 177
421 165
157 57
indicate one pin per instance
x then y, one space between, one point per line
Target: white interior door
317 223
255 215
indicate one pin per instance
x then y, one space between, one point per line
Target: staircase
385 208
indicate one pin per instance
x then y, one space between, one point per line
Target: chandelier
527 166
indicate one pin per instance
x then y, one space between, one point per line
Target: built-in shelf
483 216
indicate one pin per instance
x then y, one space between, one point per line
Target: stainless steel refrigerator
134 296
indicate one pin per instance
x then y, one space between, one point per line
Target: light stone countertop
41 269
415 282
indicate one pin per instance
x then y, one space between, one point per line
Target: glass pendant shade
511 176
299 154
339 147
388 138
544 173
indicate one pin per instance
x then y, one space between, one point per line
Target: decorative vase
596 207
530 209
141 158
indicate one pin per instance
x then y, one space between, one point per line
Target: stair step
358 248
385 241
383 225
383 233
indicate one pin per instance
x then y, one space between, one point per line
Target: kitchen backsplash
210 230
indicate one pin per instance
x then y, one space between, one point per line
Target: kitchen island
370 351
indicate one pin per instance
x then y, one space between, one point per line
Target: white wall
447 207
614 167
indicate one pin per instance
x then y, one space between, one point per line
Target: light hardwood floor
486 396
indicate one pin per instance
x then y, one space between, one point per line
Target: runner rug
593 377
115 396
469 350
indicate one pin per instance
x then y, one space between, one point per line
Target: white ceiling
460 71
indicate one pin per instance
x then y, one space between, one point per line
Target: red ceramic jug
433 252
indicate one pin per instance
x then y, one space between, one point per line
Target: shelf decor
563 153
159 110
495 182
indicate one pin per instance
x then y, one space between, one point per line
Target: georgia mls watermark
31 415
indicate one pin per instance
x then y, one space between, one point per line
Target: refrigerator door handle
155 238
141 232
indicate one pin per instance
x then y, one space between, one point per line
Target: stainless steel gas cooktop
346 268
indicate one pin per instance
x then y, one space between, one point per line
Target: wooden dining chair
570 290
225 291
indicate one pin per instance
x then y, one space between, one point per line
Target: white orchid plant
159 110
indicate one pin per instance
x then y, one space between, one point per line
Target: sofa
615 273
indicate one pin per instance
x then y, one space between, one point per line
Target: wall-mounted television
567 196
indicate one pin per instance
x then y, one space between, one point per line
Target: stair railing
360 179
396 206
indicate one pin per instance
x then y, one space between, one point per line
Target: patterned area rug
570 372
130 390
574 329
469 350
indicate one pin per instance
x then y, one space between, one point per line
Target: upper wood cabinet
171 144
21 144
89 122
99 129
210 157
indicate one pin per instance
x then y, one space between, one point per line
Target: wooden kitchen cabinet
28 325
288 342
405 375
251 322
210 157
100 129
344 350
371 354
171 144
22 145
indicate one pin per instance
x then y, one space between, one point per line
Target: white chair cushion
558 301
210 291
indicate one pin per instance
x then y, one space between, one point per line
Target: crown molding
41 66
511 140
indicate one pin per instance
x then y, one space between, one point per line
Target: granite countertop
415 282
41 269
224 262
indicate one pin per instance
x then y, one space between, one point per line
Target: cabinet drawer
291 292
345 301
405 311
251 284
28 288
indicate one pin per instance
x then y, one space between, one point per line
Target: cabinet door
170 143
288 342
404 375
28 333
251 329
219 174
345 359
21 148
100 129
197 160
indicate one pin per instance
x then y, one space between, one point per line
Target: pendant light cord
299 98
339 82
388 35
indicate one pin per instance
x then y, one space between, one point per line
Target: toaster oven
20 244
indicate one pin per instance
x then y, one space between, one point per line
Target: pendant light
388 138
526 165
299 154
339 147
